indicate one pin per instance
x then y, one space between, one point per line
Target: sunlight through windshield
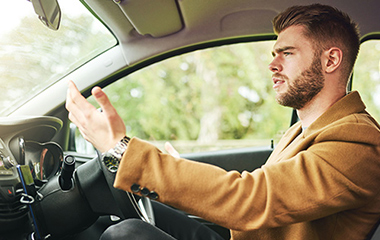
34 56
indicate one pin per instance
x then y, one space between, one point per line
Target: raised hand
103 129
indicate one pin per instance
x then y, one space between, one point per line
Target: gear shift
66 176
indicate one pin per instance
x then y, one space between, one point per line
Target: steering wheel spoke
143 208
129 204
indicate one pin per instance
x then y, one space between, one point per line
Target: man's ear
331 59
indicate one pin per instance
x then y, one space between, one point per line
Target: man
321 181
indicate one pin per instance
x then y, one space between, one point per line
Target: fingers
118 126
70 104
75 104
103 100
74 97
103 129
171 150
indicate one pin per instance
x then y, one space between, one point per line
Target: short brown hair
327 27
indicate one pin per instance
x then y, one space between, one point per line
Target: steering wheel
141 206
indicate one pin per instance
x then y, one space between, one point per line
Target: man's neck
316 107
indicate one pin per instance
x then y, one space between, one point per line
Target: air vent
12 213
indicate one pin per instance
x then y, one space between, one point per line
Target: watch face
111 162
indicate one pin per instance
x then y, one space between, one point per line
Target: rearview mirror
48 12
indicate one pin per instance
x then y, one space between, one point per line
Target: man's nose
275 66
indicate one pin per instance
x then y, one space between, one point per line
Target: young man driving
321 181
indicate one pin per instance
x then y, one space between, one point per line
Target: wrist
120 147
112 157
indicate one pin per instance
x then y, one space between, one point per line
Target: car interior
204 60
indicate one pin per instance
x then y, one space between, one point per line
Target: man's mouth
277 82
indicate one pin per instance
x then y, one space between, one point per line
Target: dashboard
25 141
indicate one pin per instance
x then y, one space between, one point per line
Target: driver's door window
211 99
366 78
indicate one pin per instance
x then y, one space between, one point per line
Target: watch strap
112 157
120 148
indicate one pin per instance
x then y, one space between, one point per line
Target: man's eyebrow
282 49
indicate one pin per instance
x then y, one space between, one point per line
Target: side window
366 77
206 100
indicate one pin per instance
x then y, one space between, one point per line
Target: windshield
34 56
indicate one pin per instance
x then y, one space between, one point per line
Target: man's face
297 70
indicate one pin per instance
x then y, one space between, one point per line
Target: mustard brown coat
319 183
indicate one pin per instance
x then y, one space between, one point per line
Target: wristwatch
112 157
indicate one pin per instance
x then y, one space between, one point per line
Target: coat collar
349 104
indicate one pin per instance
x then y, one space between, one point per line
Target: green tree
366 77
208 95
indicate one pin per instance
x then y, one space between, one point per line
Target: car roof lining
146 34
205 24
146 16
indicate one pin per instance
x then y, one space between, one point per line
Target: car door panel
234 159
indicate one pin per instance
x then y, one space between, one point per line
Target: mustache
279 76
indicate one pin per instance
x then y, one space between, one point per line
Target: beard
304 88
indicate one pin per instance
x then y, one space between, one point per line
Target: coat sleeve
337 172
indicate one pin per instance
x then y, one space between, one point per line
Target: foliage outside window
366 77
211 99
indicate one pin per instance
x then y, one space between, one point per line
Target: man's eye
287 53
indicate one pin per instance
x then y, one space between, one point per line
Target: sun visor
157 18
